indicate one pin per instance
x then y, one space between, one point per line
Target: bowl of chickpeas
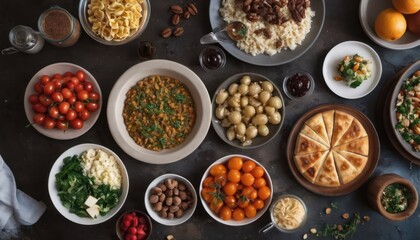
236 190
248 110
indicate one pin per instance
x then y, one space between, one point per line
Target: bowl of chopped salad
88 184
352 69
404 110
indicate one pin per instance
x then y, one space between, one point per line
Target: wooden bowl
377 186
373 156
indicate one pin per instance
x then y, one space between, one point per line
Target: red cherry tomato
57 97
78 106
62 125
92 106
71 115
49 88
76 123
45 79
78 88
84 114
70 85
68 74
45 100
93 96
49 123
75 81
58 83
53 112
81 75
72 100
66 93
39 108
61 118
39 118
33 98
38 87
64 107
57 75
88 86
82 95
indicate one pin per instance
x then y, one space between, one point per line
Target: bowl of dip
288 214
298 85
392 196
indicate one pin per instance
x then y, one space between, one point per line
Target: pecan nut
166 33
178 31
175 19
186 15
176 9
192 9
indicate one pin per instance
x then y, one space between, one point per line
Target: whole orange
390 24
406 6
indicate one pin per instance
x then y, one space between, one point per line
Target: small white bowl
52 190
198 92
245 221
175 221
55 133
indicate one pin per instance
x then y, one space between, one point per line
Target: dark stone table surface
30 155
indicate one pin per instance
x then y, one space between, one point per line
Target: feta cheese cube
90 201
93 211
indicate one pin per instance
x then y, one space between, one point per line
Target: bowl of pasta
114 23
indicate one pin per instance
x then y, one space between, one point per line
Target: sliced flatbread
312 172
305 145
317 124
328 117
358 161
346 171
355 131
306 130
342 122
304 162
359 146
328 176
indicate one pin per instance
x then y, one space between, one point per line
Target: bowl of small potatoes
248 110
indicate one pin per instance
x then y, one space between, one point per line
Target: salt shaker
24 39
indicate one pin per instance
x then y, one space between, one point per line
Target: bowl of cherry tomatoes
62 101
236 190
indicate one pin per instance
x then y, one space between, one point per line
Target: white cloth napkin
16 207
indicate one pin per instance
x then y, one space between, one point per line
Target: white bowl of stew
152 127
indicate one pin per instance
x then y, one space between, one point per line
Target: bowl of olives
248 110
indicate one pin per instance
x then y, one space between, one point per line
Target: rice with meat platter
288 35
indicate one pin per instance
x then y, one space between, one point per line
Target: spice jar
24 39
59 27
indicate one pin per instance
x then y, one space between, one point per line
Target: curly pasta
115 20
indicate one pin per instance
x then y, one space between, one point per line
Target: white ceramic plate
368 11
333 58
55 133
245 221
175 221
116 105
52 190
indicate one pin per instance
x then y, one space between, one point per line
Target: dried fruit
345 215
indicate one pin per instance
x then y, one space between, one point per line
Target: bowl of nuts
248 110
170 199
